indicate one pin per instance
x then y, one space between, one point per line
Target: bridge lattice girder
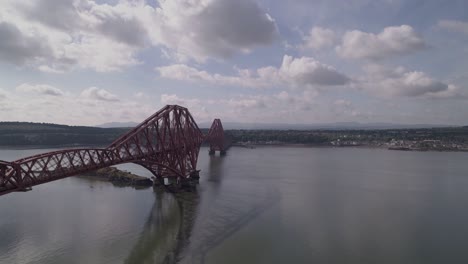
167 143
215 136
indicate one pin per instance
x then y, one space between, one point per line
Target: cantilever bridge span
167 144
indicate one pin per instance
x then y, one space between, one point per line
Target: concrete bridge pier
213 152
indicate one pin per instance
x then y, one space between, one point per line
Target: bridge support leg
157 181
195 175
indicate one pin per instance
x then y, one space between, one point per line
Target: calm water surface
263 205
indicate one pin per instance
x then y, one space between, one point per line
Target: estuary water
262 205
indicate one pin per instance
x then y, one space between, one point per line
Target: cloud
139 95
343 103
198 106
264 108
343 107
187 73
112 56
39 88
293 106
318 38
120 25
78 34
246 103
18 48
454 26
95 93
308 71
2 94
392 41
171 99
201 29
401 82
69 37
64 17
293 72
86 108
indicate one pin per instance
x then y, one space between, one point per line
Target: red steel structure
216 138
167 144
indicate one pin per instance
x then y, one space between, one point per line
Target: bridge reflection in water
183 227
167 230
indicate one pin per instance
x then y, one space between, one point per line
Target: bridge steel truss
167 144
216 138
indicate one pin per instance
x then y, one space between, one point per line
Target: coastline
119 177
306 145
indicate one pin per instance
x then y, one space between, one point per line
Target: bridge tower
216 139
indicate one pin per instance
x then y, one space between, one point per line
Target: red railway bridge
167 144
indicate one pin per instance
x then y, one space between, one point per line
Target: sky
83 62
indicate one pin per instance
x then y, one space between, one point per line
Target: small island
120 178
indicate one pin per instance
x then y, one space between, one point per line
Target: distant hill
118 124
30 126
26 133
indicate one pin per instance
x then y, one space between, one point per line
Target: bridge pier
177 183
212 152
195 175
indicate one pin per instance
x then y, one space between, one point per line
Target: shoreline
119 178
305 145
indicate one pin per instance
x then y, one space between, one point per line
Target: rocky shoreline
121 178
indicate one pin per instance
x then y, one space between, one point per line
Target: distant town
437 139
416 139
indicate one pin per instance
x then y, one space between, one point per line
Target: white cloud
74 109
94 93
64 17
40 88
246 103
319 38
249 108
203 29
18 48
186 73
116 22
107 37
392 41
343 107
139 95
343 103
171 99
112 56
401 82
285 97
78 34
293 72
308 71
454 25
282 107
2 95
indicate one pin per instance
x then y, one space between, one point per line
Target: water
263 205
